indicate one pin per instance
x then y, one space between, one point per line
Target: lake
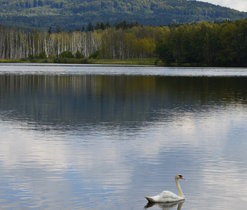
103 137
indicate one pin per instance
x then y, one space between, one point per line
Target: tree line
97 26
204 44
121 41
17 43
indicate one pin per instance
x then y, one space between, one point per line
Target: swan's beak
182 178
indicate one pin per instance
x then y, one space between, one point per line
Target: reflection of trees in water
93 99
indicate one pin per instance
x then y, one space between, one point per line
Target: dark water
71 139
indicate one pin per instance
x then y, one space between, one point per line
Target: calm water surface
98 137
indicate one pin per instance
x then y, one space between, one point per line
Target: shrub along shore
199 44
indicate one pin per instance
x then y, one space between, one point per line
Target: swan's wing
167 196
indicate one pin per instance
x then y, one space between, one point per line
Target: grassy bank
13 61
144 61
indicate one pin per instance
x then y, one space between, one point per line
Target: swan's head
179 176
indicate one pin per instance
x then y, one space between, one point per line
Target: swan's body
167 196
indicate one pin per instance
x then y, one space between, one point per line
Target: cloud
240 5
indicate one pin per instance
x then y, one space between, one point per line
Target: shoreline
153 62
134 62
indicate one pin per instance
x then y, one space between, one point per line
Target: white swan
167 196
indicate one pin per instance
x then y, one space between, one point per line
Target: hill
73 14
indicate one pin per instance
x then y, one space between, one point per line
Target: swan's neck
180 192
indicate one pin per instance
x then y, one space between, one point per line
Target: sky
235 4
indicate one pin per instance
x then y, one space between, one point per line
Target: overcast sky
236 4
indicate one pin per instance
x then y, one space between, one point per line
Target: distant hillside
73 14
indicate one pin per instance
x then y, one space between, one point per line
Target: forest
199 44
75 14
205 44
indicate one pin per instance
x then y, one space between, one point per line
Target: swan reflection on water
166 206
